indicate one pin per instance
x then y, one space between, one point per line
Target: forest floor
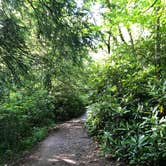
68 145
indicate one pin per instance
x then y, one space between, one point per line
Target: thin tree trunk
113 37
157 44
121 35
131 40
109 44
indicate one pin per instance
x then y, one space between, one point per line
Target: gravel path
68 145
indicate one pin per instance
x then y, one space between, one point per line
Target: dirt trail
68 145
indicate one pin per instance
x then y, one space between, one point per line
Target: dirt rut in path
68 145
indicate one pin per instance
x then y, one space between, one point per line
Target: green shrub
37 135
13 127
67 106
37 106
26 115
128 113
23 119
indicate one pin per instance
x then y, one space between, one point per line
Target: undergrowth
127 114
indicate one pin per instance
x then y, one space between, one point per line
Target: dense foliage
47 76
43 46
127 114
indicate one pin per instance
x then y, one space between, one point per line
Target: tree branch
131 39
150 6
121 35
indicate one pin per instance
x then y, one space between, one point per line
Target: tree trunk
157 44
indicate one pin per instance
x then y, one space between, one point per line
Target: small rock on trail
68 145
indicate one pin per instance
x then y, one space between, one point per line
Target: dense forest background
47 74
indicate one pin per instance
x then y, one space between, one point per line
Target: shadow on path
69 145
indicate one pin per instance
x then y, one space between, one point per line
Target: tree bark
131 40
121 35
157 57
